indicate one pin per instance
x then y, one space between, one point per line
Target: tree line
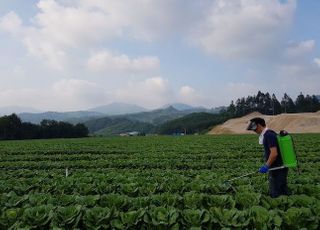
12 128
269 105
191 123
262 102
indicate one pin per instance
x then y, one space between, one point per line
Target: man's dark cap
254 122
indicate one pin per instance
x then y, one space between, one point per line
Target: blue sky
71 55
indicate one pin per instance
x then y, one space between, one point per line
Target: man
272 157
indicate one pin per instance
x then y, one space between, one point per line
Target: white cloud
20 97
157 91
218 96
72 35
37 41
246 28
53 55
62 29
241 89
76 22
59 31
65 94
188 95
298 77
298 50
11 22
228 28
108 62
317 61
72 25
74 91
297 73
152 92
148 20
73 94
186 91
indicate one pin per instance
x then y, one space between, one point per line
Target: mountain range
72 117
17 109
114 118
118 108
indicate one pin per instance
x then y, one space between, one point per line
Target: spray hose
248 174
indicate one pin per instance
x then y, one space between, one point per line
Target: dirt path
293 123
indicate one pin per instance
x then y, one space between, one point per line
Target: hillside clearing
293 123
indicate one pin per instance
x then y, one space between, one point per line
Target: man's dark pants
278 182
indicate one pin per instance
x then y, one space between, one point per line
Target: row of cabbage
152 183
156 217
136 185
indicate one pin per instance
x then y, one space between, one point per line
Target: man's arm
273 156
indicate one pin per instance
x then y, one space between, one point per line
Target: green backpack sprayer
287 151
288 154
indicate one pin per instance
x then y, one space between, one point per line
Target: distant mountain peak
116 108
7 110
170 108
179 106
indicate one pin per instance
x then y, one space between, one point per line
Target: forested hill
12 128
117 125
264 103
192 123
145 122
173 121
267 104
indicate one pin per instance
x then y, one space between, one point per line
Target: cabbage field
155 182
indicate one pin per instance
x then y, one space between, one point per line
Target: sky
65 55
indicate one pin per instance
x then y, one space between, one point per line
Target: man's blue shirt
269 141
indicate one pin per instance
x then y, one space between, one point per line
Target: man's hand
264 169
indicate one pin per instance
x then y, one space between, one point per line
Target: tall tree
311 104
267 104
10 127
260 101
276 106
315 103
231 110
300 103
287 104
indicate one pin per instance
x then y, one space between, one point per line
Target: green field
156 182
